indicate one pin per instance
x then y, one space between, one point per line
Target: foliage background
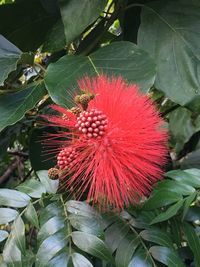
45 47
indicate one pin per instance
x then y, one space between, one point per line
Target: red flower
115 148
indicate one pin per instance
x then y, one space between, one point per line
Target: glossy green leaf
118 58
126 250
187 203
52 226
80 261
9 56
50 247
161 198
7 215
189 177
60 260
31 215
73 19
18 232
50 185
191 160
53 209
171 36
157 236
170 212
193 214
3 235
193 242
167 256
92 245
141 258
13 198
11 252
32 187
14 106
175 186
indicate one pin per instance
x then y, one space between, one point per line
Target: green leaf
55 38
171 36
189 177
170 212
167 256
193 214
60 260
126 250
181 127
92 245
80 261
191 160
14 106
188 202
161 198
157 236
50 247
73 19
193 242
141 258
13 198
52 226
31 215
11 252
32 187
3 235
18 231
50 185
53 209
175 186
7 215
118 58
9 56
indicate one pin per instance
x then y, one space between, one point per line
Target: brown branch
8 172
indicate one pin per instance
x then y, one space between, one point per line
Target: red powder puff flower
114 145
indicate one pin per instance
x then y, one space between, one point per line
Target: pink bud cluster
92 123
66 157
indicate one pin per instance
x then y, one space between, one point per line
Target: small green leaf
167 256
126 250
18 232
170 212
31 215
73 19
119 58
3 235
141 258
9 56
53 209
14 106
50 247
193 242
7 215
50 185
188 202
80 261
193 214
32 187
92 245
60 260
157 236
161 198
13 198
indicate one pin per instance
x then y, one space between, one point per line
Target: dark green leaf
167 256
80 261
175 186
119 58
157 236
13 198
189 177
181 127
193 242
31 215
14 106
170 212
50 247
60 260
161 198
32 187
92 245
188 202
73 19
193 214
141 258
9 56
50 185
191 160
7 215
171 36
126 250
3 235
